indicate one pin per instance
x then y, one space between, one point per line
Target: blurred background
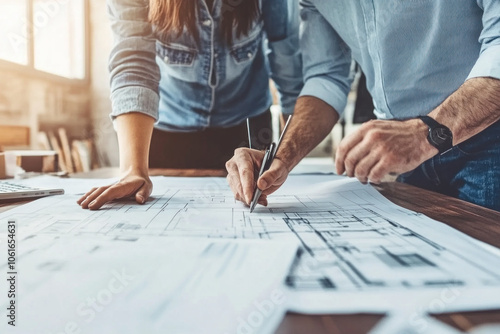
54 83
53 75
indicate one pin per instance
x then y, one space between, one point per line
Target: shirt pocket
178 61
246 51
176 54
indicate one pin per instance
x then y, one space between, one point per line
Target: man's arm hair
312 121
471 109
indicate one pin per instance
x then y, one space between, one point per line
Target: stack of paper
149 285
359 253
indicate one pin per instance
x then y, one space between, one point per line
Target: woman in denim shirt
185 77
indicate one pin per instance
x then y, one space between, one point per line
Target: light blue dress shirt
189 85
415 53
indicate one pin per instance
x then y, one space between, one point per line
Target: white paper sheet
361 253
149 285
314 166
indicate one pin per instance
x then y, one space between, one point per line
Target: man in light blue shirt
433 69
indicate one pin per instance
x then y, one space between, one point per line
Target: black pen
267 161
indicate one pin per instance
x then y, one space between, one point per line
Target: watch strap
430 122
433 124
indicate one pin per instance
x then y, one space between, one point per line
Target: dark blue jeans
470 171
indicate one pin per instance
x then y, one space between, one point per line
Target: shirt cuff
134 99
327 91
488 64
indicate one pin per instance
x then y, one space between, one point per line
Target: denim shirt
187 85
415 53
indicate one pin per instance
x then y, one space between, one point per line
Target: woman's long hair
175 15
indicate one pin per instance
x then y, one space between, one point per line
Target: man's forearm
471 109
312 121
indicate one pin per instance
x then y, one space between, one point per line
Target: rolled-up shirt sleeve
326 59
281 22
134 73
488 64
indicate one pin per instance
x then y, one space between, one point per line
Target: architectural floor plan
353 239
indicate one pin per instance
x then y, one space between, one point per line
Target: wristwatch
439 135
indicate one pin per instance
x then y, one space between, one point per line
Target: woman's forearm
134 132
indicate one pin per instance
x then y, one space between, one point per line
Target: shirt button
250 55
216 55
207 23
166 59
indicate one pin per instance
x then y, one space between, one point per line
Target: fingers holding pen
273 178
262 200
246 174
233 179
242 170
241 173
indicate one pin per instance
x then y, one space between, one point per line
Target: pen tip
252 207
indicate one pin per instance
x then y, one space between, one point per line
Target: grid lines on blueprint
348 242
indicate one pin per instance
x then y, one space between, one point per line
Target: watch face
441 136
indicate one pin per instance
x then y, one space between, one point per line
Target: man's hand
313 119
133 184
243 169
382 147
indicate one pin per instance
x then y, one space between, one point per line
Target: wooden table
478 222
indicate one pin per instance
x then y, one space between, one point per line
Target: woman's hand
134 136
135 184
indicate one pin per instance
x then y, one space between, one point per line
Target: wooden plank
328 324
68 158
14 135
56 147
188 172
77 159
115 172
82 155
3 171
43 141
465 321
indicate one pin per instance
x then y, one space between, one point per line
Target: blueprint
100 285
354 242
